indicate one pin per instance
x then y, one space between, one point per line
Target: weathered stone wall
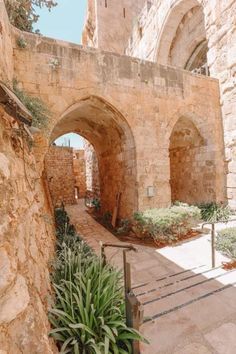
26 247
79 169
92 170
6 49
109 23
127 109
166 37
221 35
157 25
59 170
189 35
191 165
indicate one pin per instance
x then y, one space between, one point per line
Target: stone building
59 167
71 173
155 96
194 35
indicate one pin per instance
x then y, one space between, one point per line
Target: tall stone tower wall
109 23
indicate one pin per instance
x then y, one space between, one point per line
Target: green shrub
167 224
214 212
69 259
107 219
124 227
88 314
35 105
226 242
96 203
65 231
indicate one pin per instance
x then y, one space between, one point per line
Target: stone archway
192 168
108 131
182 35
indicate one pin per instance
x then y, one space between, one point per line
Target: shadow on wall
192 167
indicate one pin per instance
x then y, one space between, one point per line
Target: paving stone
194 348
173 332
223 338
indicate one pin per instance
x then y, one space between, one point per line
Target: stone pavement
189 308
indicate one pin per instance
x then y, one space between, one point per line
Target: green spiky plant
226 242
213 212
88 314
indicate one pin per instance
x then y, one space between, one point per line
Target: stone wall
60 174
191 165
127 109
79 169
221 34
26 247
166 37
109 23
92 170
6 49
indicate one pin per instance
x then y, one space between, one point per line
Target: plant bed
88 311
155 227
226 244
229 265
166 226
149 242
213 212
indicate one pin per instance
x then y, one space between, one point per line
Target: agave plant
213 212
88 316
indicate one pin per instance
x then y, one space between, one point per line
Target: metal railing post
133 308
213 238
213 251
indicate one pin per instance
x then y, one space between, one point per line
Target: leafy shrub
69 259
124 227
64 229
21 42
214 212
88 315
107 219
226 242
167 224
35 105
96 203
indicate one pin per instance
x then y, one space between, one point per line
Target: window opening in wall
124 12
105 3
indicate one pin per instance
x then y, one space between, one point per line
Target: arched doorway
109 133
182 41
192 166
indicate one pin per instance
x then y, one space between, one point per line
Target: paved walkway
193 308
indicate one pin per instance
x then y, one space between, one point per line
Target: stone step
165 279
175 281
190 292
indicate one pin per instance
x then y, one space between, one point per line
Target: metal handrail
213 237
133 307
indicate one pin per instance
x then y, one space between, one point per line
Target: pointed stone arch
102 124
176 44
195 159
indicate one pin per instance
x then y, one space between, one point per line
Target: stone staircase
175 291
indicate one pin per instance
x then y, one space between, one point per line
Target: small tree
22 13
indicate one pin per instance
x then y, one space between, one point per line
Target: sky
65 22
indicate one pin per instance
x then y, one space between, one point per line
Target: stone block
15 301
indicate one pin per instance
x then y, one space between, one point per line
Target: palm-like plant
88 316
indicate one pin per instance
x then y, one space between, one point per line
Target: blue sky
65 22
